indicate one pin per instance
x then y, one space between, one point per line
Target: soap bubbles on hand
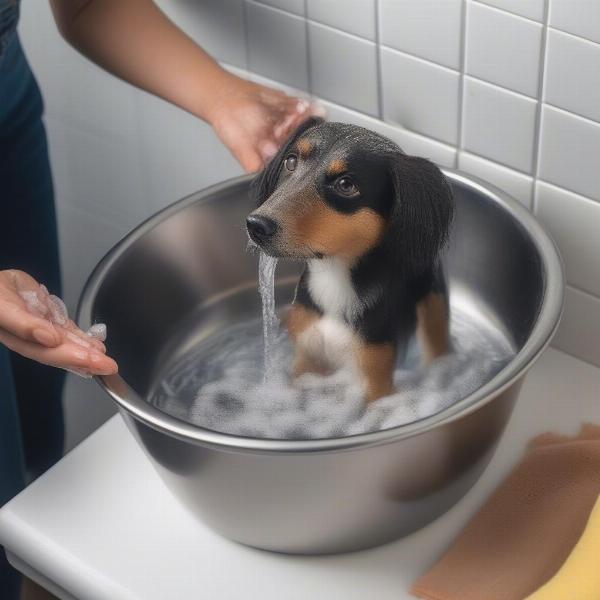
98 331
40 303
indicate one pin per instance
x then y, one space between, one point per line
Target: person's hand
253 120
34 324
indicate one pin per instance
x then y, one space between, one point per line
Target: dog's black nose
260 228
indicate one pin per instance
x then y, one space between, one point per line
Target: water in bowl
237 379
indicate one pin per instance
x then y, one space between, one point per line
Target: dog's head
338 190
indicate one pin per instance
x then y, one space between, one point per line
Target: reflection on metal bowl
318 495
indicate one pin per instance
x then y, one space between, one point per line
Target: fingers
267 149
33 314
67 355
21 281
77 336
298 111
17 321
15 288
36 324
317 110
294 113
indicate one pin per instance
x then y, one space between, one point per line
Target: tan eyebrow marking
305 148
336 167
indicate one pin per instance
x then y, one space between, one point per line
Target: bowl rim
546 324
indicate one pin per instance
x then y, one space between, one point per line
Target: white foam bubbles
220 385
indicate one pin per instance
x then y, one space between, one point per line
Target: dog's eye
290 162
345 186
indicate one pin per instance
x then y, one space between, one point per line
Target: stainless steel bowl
184 273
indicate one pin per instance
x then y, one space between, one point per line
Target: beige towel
527 529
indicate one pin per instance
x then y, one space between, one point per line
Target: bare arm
134 40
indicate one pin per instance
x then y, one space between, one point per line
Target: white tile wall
119 197
352 16
570 152
427 28
412 143
332 53
512 182
499 124
277 45
294 6
573 74
76 92
217 25
503 48
420 96
579 330
532 9
575 231
180 153
458 86
580 17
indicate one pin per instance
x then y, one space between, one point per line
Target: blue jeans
31 420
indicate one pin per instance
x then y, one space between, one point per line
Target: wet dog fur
371 223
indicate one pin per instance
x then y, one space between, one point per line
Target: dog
370 222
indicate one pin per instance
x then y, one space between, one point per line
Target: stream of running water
266 289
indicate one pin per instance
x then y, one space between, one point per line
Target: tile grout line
573 355
309 80
497 163
463 76
246 36
580 197
378 60
461 82
482 3
141 150
438 65
507 12
537 135
429 138
582 291
572 114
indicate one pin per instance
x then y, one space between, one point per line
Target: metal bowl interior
185 272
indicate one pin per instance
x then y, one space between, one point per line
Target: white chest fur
331 288
330 339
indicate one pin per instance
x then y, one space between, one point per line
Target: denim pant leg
28 241
31 420
12 466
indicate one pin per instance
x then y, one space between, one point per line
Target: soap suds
220 385
47 306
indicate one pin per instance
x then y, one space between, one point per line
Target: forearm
115 35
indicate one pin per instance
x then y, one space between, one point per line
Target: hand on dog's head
341 190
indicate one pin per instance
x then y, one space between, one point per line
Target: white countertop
101 525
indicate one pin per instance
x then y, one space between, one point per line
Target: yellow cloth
579 577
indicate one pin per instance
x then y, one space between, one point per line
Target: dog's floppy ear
265 182
421 214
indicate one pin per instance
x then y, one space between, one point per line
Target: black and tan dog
370 222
